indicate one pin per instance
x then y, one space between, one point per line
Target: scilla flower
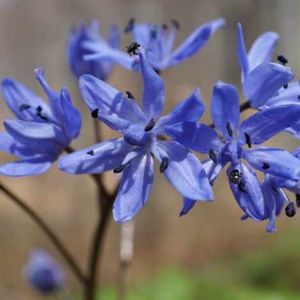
44 273
40 132
143 137
158 43
89 33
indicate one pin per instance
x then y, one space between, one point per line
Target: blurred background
209 254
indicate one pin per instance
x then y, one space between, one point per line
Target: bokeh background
209 254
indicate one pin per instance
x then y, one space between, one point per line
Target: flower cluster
41 133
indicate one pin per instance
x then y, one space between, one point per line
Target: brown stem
48 231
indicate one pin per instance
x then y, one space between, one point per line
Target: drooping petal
190 109
225 109
184 171
274 161
262 49
134 188
26 167
242 52
247 192
153 90
23 101
265 124
95 159
72 117
187 205
195 41
195 136
264 81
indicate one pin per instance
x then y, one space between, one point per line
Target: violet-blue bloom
89 33
230 148
157 42
44 273
143 131
40 132
261 79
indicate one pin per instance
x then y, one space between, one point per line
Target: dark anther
39 110
235 176
212 155
150 125
129 26
298 97
164 164
157 71
175 24
229 130
248 139
297 200
164 26
265 166
241 187
282 59
286 86
95 113
24 107
129 95
133 48
91 152
121 168
290 209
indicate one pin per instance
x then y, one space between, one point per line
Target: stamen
150 125
265 166
282 60
229 130
129 95
297 200
24 107
290 210
248 139
91 152
95 113
212 155
39 110
242 186
121 168
175 24
164 164
286 86
129 26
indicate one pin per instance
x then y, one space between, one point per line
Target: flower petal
134 188
264 81
265 124
95 159
274 161
184 171
242 52
262 49
188 204
212 170
225 109
153 91
195 41
26 167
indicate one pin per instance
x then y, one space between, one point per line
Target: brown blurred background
33 33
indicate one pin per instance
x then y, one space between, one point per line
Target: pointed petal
264 81
134 188
248 196
225 109
242 52
188 204
153 91
114 37
274 161
263 125
26 167
262 49
195 41
95 159
184 171
190 109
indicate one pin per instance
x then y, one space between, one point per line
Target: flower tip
39 72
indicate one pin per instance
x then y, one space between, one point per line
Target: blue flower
143 133
228 146
100 68
44 273
261 79
41 132
157 42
